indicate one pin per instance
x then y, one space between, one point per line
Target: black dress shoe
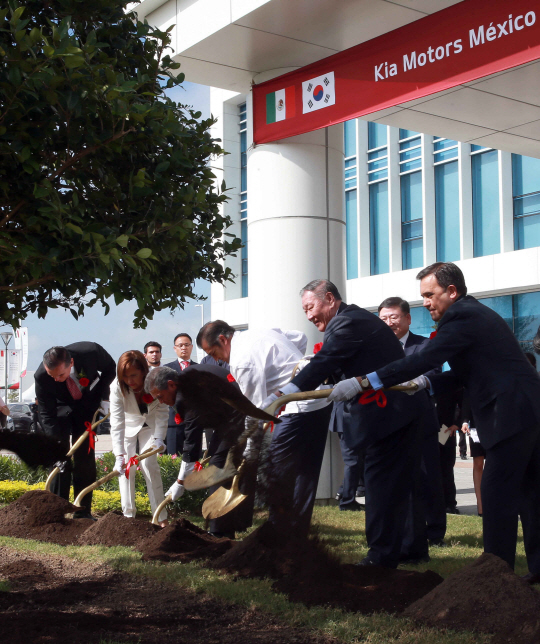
532 578
223 535
437 543
464 457
361 491
414 560
366 561
354 507
83 515
452 511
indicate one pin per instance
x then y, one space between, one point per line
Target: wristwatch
365 383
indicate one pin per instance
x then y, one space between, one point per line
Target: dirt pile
114 529
485 596
40 515
183 541
308 573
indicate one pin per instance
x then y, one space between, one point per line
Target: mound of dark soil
485 596
40 515
308 573
527 632
183 541
114 529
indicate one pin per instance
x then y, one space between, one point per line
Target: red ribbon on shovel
132 462
91 435
372 395
197 467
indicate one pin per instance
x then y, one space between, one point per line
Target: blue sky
115 331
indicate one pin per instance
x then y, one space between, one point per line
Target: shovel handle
74 448
111 475
160 507
321 393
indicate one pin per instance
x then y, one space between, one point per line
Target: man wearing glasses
183 347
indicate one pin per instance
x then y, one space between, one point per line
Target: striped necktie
75 392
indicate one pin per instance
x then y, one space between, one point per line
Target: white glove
158 442
269 401
185 470
175 491
421 381
104 407
345 390
120 464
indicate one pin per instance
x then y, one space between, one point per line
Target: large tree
105 184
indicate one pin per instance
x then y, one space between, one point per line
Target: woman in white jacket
136 416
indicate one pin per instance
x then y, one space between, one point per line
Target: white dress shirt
263 361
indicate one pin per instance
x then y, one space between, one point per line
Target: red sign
459 44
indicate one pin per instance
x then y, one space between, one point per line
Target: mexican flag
280 105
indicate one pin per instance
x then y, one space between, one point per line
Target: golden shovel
104 479
74 448
222 500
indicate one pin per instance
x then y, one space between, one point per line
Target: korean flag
318 93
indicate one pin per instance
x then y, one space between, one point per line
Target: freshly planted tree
105 184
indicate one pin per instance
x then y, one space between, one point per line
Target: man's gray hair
159 377
320 288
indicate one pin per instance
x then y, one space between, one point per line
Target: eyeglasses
186 344
391 318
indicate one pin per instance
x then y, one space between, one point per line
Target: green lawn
343 532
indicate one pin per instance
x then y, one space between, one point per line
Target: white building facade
365 203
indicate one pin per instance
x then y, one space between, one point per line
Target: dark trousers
462 443
447 454
353 474
511 486
81 467
392 469
295 458
175 440
426 516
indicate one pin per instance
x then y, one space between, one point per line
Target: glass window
485 197
242 113
244 238
526 318
376 135
501 305
379 228
405 134
349 132
411 220
351 234
421 321
526 191
447 211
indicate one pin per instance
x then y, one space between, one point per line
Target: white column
296 233
465 202
394 200
506 202
296 225
364 268
428 201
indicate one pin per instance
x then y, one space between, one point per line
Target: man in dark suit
72 382
504 392
427 515
176 433
390 432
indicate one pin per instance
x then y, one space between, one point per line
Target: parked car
21 415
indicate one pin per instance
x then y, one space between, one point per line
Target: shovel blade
221 502
211 475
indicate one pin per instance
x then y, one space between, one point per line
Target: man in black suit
504 392
390 431
176 433
427 514
72 382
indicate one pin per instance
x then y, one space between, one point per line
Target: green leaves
105 185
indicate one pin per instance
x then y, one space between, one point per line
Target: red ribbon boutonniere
148 398
197 467
178 419
230 378
317 347
132 462
91 435
84 382
373 395
432 335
